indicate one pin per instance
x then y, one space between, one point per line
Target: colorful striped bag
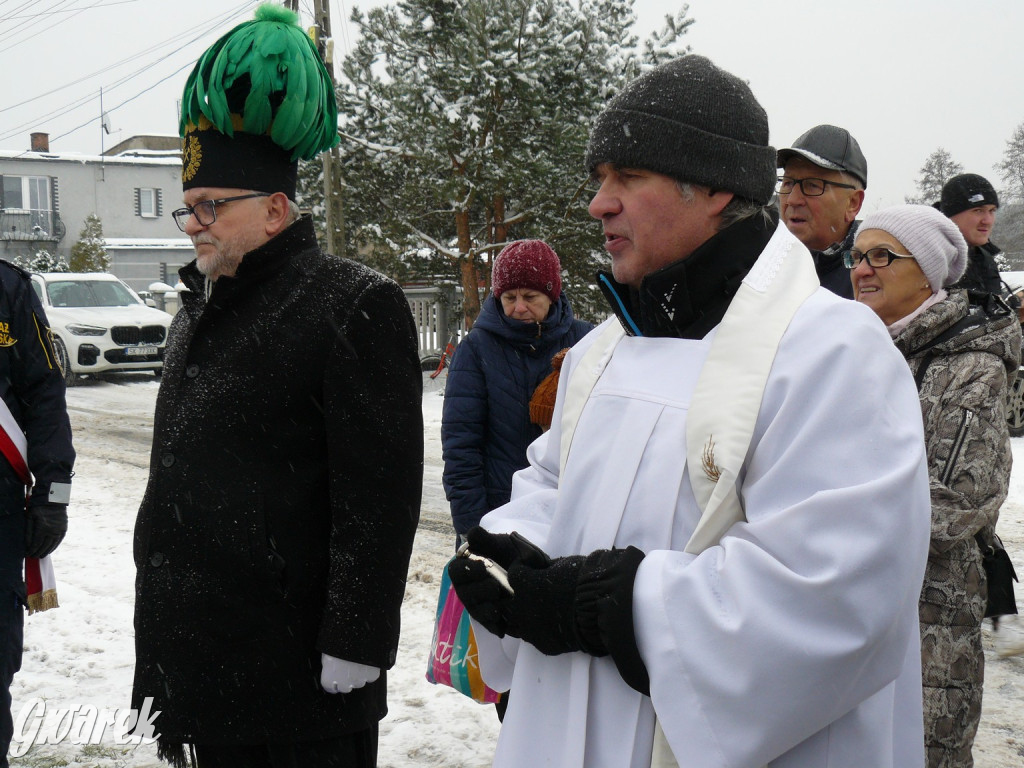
453 655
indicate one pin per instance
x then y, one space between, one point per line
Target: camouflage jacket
973 352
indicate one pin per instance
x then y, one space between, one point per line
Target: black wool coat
282 501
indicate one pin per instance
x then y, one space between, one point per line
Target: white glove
339 676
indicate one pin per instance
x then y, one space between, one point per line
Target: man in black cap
821 190
274 537
971 202
695 552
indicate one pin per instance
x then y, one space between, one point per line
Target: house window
148 203
26 193
27 203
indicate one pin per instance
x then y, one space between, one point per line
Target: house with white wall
46 196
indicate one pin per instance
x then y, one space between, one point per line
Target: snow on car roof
1013 279
50 277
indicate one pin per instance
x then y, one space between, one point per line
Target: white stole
725 403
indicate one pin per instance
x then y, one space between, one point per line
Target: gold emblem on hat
191 157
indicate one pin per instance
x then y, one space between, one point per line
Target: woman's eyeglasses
877 257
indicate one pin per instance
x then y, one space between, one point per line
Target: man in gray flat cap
821 190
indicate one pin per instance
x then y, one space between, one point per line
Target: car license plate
140 351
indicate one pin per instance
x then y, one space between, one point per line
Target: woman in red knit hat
485 424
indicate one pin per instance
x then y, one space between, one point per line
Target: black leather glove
484 597
505 548
576 603
45 526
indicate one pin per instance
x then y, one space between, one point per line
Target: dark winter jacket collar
832 256
532 337
989 248
982 272
832 273
258 264
688 298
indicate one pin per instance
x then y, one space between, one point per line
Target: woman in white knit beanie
906 286
962 348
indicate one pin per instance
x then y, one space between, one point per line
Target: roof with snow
150 158
150 243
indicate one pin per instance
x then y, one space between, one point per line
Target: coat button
156 559
167 459
192 371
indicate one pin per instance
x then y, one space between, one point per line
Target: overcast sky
904 77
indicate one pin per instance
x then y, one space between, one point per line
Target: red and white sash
39 578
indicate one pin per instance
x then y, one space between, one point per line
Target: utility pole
333 182
103 129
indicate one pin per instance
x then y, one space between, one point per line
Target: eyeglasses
809 187
877 257
206 211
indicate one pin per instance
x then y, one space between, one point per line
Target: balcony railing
30 224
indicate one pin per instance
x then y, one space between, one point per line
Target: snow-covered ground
82 653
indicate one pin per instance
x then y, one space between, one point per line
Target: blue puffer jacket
485 424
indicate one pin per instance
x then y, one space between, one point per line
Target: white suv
100 325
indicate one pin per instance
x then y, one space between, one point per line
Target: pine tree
1008 233
43 261
310 195
466 123
936 171
1012 166
89 254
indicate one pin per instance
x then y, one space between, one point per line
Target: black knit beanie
692 121
966 191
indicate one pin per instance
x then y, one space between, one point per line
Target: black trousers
12 617
353 750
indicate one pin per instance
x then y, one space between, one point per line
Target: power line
37 21
206 28
343 16
126 101
45 15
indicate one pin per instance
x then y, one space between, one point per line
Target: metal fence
437 311
30 224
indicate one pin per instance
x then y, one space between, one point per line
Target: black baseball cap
829 146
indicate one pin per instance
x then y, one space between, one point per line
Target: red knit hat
527 264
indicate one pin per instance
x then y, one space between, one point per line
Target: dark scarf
689 297
832 273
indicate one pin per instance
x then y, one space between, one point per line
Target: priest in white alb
716 553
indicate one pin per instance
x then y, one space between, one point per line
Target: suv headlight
85 330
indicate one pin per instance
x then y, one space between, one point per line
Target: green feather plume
289 96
